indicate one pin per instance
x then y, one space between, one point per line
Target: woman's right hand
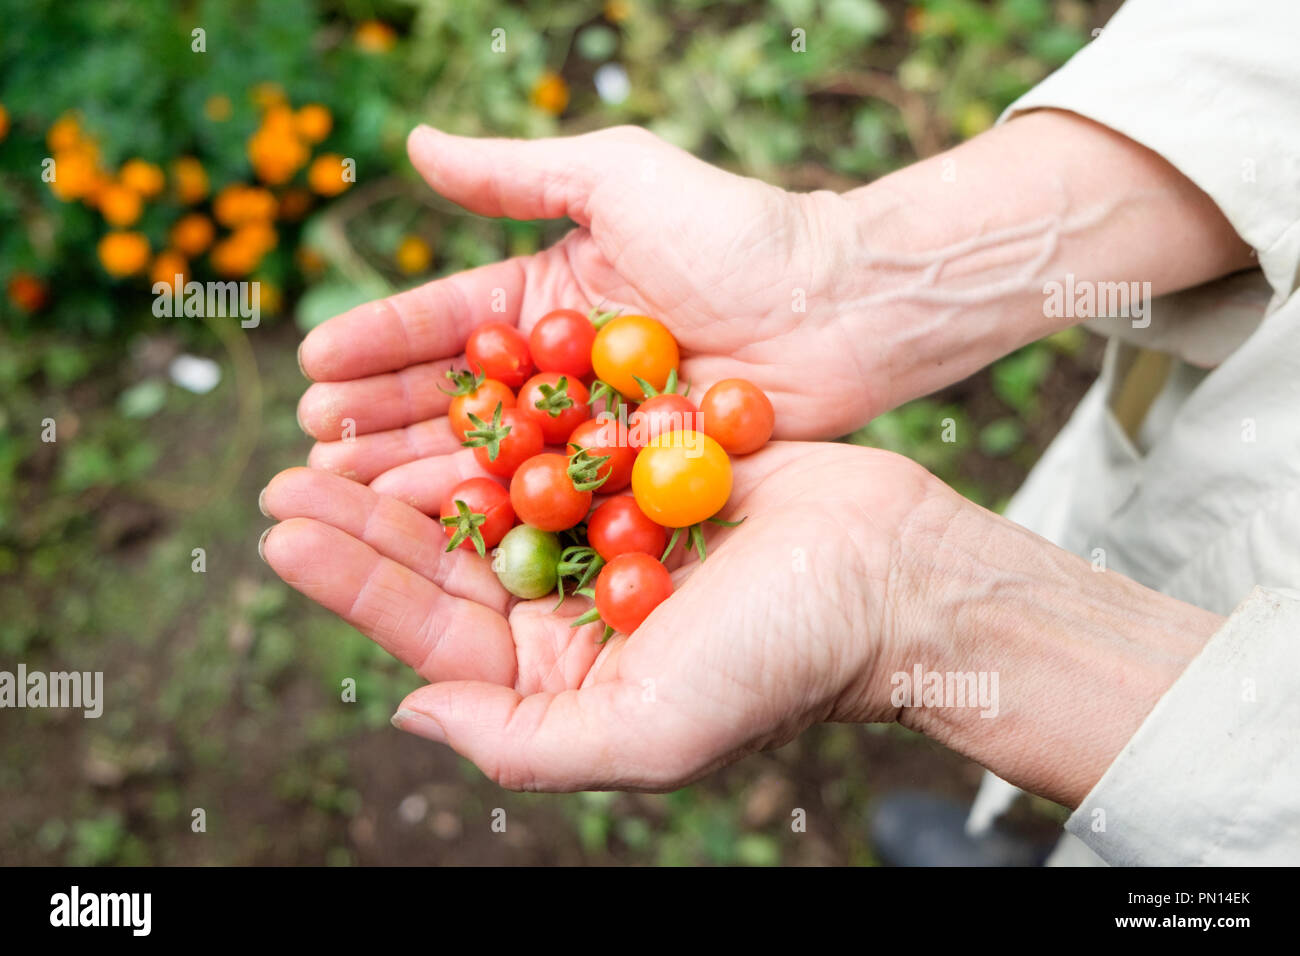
743 273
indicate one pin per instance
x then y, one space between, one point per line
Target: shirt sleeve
1212 777
1214 88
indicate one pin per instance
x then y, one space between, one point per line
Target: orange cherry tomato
499 351
606 435
681 478
632 346
618 526
660 415
482 402
558 414
738 415
629 588
543 495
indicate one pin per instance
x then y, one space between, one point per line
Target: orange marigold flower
64 134
190 180
313 122
4 122
192 234
276 155
167 265
120 205
550 93
123 253
28 292
326 175
413 255
217 108
230 258
75 174
237 204
294 204
145 178
374 36
259 235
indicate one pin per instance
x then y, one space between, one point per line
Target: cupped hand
743 273
792 619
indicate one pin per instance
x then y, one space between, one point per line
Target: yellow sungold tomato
681 478
631 347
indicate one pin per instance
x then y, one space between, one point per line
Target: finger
377 403
423 324
423 484
613 736
393 529
368 456
518 179
442 637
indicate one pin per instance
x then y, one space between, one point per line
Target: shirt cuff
1212 775
1212 90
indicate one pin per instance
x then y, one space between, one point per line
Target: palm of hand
783 625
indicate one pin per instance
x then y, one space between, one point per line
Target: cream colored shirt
1202 500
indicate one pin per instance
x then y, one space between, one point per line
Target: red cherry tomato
482 496
737 415
482 402
499 351
629 588
543 494
561 342
660 415
559 413
606 435
618 526
523 441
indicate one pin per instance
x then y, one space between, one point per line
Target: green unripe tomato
526 561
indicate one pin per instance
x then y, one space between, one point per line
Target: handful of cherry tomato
551 416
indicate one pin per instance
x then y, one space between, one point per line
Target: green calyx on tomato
467 524
464 382
584 470
487 435
577 561
614 400
555 398
696 534
600 319
670 386
527 562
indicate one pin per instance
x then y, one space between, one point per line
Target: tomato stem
465 382
555 398
485 435
467 526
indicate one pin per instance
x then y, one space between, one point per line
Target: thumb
611 736
523 179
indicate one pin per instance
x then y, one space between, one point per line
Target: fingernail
261 543
261 503
422 725
300 368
